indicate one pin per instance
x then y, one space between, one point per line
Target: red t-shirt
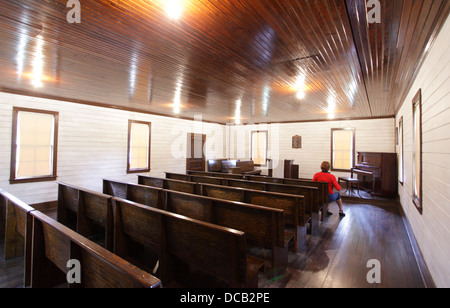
327 177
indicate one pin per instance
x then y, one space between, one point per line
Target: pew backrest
261 224
322 186
17 229
55 244
3 205
194 178
133 221
184 186
292 205
215 174
86 212
217 250
310 193
143 194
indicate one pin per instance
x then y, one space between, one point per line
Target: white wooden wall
376 135
432 229
93 145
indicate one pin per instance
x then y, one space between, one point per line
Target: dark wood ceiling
221 59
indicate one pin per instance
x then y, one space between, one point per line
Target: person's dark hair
325 166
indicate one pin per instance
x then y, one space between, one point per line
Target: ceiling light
301 95
174 8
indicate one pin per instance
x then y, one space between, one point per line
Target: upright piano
377 172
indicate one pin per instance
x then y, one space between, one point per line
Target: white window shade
259 147
139 150
343 151
34 145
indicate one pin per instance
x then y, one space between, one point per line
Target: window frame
401 156
129 170
266 132
417 141
353 130
14 135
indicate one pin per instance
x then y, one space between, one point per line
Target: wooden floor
335 258
338 256
11 271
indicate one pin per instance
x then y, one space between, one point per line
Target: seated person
326 176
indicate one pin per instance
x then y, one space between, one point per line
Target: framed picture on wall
297 142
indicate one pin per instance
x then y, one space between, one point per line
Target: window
401 174
259 148
33 145
417 151
139 138
342 148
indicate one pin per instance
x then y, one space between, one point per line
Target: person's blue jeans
334 197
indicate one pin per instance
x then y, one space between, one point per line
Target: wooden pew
292 205
151 196
263 226
86 212
215 174
322 187
55 244
322 192
170 184
3 204
195 178
245 168
183 244
17 230
310 193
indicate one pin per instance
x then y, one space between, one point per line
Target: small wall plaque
297 142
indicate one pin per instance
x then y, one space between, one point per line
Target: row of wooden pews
321 186
295 212
179 228
245 205
184 252
203 213
175 248
314 204
264 227
48 246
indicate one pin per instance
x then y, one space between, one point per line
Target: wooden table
350 182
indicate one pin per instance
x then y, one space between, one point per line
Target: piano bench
350 182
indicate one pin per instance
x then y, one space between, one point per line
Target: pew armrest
254 266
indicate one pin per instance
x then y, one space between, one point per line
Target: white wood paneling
375 135
93 145
432 229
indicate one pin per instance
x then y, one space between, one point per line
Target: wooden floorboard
335 258
11 271
338 257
